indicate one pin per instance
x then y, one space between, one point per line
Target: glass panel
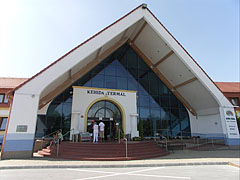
153 87
110 70
108 113
98 70
54 117
144 101
164 100
5 99
1 98
133 72
145 84
132 84
154 101
122 83
121 71
98 81
4 123
143 74
173 102
155 116
42 126
163 90
183 114
104 109
132 59
110 82
124 69
67 96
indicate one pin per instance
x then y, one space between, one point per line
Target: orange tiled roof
229 86
11 82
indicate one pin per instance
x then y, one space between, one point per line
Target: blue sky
35 33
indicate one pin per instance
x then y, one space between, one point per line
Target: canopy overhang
157 47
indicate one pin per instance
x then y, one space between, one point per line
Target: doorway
109 114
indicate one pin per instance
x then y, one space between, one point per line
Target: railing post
197 144
58 147
166 145
42 143
119 136
126 147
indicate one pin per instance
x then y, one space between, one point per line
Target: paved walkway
177 158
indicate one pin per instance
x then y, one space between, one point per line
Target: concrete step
106 151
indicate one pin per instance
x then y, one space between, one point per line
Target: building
6 85
132 73
232 92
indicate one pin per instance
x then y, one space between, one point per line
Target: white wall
4 112
82 100
206 125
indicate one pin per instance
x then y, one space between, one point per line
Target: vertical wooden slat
162 77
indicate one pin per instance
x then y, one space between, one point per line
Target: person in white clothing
95 133
101 127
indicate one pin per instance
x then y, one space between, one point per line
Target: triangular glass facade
158 108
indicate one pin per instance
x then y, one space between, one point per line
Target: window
3 99
158 108
3 123
235 101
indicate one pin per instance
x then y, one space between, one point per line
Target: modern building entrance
109 113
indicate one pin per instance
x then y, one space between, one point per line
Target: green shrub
238 120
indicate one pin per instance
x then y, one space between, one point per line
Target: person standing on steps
95 133
59 135
101 128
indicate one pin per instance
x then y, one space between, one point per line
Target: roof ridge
75 48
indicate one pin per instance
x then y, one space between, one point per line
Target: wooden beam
162 77
98 52
138 33
124 35
50 96
164 58
185 83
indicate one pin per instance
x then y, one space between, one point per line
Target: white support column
229 124
22 125
74 123
134 131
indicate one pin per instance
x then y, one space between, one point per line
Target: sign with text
231 123
106 93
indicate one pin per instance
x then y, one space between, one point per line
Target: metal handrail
51 133
47 136
68 132
119 134
58 146
212 141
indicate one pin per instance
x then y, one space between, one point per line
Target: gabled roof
231 87
20 85
153 43
10 83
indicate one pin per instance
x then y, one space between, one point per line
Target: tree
238 119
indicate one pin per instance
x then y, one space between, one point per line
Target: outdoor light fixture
144 6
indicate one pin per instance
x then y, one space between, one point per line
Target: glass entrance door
109 113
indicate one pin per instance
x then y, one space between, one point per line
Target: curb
115 166
232 164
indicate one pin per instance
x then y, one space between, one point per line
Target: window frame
4 99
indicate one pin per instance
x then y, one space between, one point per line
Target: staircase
105 151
